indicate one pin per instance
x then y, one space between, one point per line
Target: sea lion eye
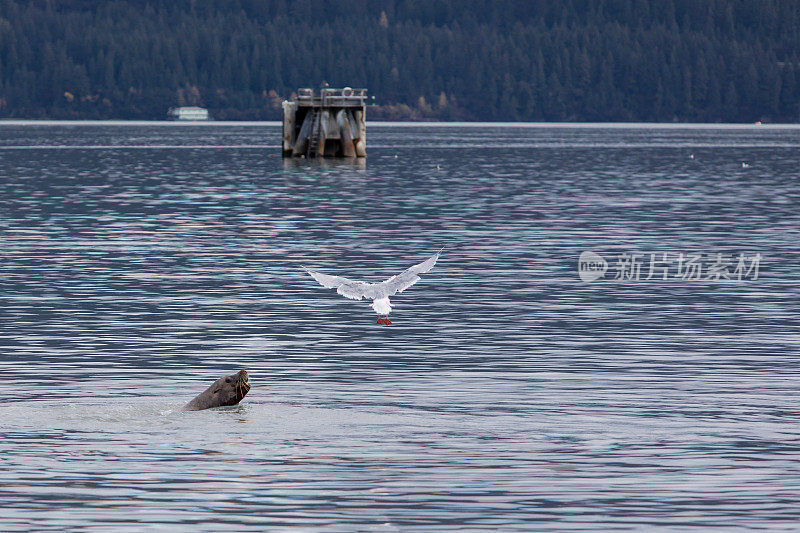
227 380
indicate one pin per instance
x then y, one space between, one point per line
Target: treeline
566 60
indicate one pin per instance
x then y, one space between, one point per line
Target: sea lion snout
243 384
243 379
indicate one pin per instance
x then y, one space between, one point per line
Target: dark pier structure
331 124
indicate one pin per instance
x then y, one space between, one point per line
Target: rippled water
138 263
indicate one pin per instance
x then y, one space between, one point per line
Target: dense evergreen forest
553 60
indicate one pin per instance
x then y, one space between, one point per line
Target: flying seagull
378 292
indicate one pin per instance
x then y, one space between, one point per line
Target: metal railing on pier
330 97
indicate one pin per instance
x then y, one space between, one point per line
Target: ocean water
139 263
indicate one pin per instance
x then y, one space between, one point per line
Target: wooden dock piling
332 124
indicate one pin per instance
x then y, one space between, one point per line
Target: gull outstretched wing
355 290
402 281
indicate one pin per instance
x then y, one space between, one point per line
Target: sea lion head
230 390
227 390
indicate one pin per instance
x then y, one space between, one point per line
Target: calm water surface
139 263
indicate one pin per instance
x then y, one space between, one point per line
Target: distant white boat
188 113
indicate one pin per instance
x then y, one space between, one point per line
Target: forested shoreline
571 60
